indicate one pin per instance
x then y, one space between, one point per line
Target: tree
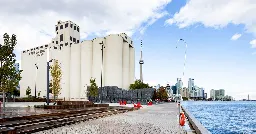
138 84
56 74
162 93
93 90
28 91
9 76
154 97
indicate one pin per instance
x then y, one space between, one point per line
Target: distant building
222 92
179 85
169 90
212 94
205 96
174 89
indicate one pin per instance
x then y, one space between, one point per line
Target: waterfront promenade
156 119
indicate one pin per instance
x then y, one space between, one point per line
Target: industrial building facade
79 62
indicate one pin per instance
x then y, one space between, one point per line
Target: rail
197 126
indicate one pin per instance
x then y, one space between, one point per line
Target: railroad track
36 123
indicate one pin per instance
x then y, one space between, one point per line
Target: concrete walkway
156 119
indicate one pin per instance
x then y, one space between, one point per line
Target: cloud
34 21
216 14
253 43
253 53
236 36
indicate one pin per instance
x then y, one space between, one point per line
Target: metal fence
114 94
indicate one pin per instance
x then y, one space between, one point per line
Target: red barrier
138 105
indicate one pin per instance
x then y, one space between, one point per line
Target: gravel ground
156 119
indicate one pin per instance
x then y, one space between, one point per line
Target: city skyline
221 45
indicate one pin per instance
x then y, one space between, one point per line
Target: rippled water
237 117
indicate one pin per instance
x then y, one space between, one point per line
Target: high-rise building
174 89
179 85
217 94
212 94
190 84
222 92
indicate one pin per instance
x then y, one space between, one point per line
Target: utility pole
102 52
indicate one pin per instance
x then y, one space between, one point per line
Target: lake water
236 117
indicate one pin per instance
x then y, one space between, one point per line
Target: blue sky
214 60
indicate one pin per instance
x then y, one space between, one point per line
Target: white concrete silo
113 61
86 67
75 66
126 65
41 81
132 64
24 83
97 60
65 80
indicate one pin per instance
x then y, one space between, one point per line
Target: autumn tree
161 94
138 84
56 74
9 76
93 90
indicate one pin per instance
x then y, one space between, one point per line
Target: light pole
102 47
185 57
35 78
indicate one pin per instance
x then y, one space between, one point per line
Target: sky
220 35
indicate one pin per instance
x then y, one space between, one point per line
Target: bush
138 84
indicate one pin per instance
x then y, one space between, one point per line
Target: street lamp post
185 57
48 83
102 47
35 78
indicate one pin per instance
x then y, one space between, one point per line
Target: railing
199 128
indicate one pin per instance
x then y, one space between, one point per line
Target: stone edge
197 126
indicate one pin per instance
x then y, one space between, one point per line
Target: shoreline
195 124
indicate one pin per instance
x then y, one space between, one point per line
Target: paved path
156 119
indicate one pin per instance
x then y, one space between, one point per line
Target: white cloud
34 21
236 36
217 14
253 43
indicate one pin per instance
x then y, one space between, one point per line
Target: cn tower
141 62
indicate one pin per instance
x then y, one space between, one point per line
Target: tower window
77 29
61 26
66 25
77 41
61 37
52 41
61 45
70 38
74 27
56 28
71 25
56 42
66 44
74 39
